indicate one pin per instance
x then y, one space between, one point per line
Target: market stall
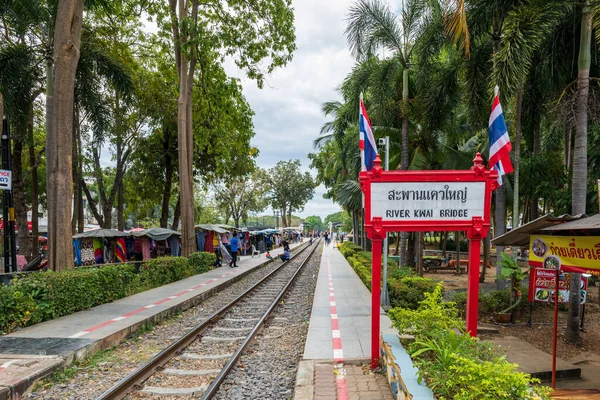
156 242
99 246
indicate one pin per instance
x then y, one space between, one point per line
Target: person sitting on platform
285 256
268 255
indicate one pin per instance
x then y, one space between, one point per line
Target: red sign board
542 282
427 201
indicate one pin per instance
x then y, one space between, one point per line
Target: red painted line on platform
336 340
156 303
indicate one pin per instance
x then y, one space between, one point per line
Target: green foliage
455 365
290 187
315 223
39 297
405 290
489 302
201 261
433 314
409 291
341 217
510 268
163 270
451 245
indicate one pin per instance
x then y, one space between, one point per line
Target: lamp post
385 298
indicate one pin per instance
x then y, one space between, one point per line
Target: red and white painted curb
336 338
156 303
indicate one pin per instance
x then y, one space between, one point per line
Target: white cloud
288 109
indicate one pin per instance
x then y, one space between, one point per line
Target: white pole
385 298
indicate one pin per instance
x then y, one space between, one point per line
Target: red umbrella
42 239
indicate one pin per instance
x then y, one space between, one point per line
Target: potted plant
512 271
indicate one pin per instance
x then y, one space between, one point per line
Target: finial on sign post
377 166
477 161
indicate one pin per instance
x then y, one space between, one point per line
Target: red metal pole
473 286
555 338
375 299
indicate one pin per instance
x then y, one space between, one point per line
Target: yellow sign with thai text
569 253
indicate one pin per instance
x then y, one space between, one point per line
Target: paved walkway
34 352
338 347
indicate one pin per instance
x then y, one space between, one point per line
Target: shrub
396 272
433 314
455 365
163 270
202 261
409 291
489 302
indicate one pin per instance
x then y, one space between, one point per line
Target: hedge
404 289
38 297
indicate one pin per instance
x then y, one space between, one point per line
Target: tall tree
59 140
242 195
580 155
290 188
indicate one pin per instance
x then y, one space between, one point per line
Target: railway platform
338 346
337 353
33 353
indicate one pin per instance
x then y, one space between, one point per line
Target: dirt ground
540 335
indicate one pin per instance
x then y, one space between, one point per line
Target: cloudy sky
288 109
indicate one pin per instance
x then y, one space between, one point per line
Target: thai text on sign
576 253
427 200
543 282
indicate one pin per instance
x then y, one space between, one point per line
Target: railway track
200 360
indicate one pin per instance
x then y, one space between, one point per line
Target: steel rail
214 386
135 379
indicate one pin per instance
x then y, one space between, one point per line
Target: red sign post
427 201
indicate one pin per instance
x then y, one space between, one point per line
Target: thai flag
368 149
500 146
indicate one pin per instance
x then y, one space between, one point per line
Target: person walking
234 244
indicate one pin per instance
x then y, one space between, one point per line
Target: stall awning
583 224
520 236
101 233
209 227
156 233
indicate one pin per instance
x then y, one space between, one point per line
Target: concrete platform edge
305 377
400 372
16 391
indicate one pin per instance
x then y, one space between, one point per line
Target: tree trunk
176 214
579 188
355 226
444 239
18 189
34 185
410 250
517 158
67 38
457 243
486 257
500 228
76 176
166 200
420 246
186 64
79 199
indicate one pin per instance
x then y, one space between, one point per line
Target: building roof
584 224
520 236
